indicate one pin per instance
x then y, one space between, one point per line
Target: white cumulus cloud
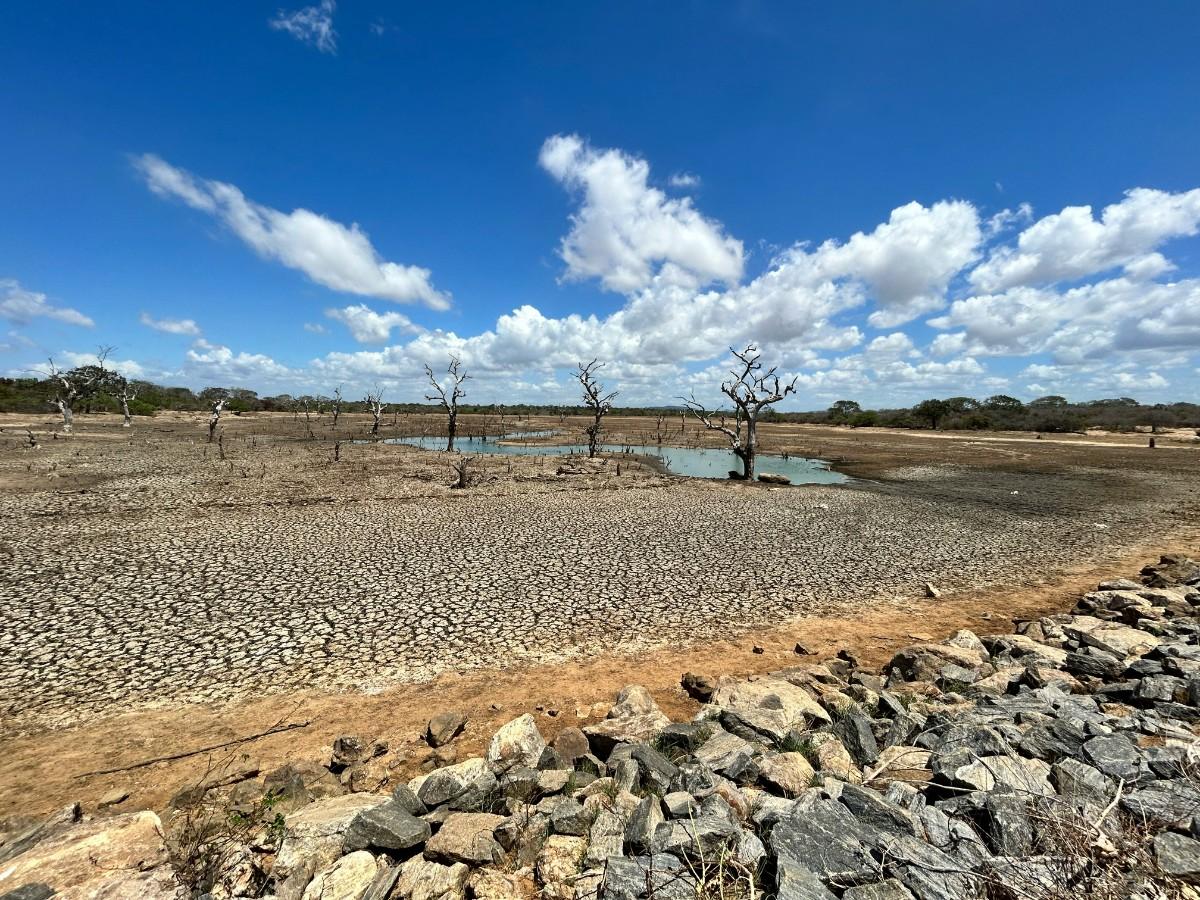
625 232
337 256
369 327
1074 244
20 307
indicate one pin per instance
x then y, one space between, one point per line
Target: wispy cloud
20 307
684 180
331 254
311 25
171 326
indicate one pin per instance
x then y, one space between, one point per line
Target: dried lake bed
141 570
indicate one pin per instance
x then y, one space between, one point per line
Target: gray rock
348 750
891 889
403 796
727 754
605 736
796 882
1170 802
388 826
1114 755
1055 740
385 880
647 816
680 804
570 817
446 784
824 838
605 838
926 871
1077 781
520 783
874 811
858 738
553 781
1008 825
1178 856
655 772
444 727
701 836
658 876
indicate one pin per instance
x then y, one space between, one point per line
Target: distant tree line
1000 412
1004 413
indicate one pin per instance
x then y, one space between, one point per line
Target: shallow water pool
694 462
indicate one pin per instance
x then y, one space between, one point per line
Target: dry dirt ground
159 594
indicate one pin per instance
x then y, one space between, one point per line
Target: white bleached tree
752 390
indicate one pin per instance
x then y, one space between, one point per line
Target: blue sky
894 200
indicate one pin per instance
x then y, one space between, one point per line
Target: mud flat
141 572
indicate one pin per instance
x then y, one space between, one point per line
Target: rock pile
1056 761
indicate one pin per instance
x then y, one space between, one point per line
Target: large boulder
466 838
122 857
923 662
346 879
313 838
421 879
635 717
471 778
518 743
765 708
823 838
388 826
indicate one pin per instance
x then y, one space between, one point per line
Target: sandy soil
104 484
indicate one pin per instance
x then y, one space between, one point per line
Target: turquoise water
689 461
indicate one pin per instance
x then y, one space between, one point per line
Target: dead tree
74 385
596 400
217 407
448 402
337 404
376 407
751 389
463 479
126 396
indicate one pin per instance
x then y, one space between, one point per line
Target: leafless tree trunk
596 400
658 429
126 397
460 469
751 390
376 407
308 421
449 402
337 404
215 418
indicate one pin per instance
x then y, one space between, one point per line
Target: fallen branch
242 740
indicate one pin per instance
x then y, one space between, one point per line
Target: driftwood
275 729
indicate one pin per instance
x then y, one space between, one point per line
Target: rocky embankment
1060 760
